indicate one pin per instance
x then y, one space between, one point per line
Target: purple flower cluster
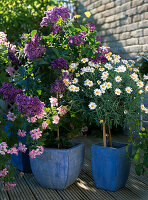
53 15
102 50
14 60
30 106
32 49
9 92
99 59
90 26
78 39
59 86
59 63
56 29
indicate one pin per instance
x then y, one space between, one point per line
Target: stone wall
123 24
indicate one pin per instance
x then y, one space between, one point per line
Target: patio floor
83 189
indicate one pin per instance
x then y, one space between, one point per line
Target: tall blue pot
20 161
110 166
58 168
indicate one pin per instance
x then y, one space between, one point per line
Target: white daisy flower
75 80
103 86
92 70
118 79
117 91
116 56
108 57
73 65
76 89
145 77
146 88
125 61
86 82
140 91
101 69
71 88
97 92
135 70
90 83
128 89
77 74
134 75
125 112
105 73
91 63
140 84
88 69
104 78
92 106
84 60
117 69
122 68
82 72
96 65
102 91
142 107
108 85
146 110
66 81
99 82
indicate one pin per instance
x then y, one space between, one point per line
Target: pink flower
11 116
56 119
36 152
44 125
22 147
62 110
21 174
36 134
3 148
3 172
21 133
9 186
13 150
53 101
10 71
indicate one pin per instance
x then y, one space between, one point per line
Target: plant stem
58 131
104 135
110 137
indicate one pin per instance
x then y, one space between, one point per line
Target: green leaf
137 158
48 121
145 161
78 29
22 70
83 28
33 33
39 92
138 169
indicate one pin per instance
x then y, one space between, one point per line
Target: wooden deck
83 189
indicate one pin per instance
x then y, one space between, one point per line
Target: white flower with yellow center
117 69
140 91
103 86
82 72
109 53
118 79
75 80
108 85
140 84
134 75
77 74
128 89
132 61
135 70
125 112
146 88
90 83
71 88
105 73
83 69
66 81
101 69
117 91
125 61
146 110
73 65
96 65
116 56
84 60
102 91
128 65
136 79
104 78
86 82
117 60
145 77
92 106
142 107
88 69
108 66
97 92
91 63
76 89
122 68
113 61
92 70
99 82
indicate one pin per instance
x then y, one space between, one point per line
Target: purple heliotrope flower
59 63
53 15
30 106
90 26
99 59
14 60
32 49
56 29
9 92
78 39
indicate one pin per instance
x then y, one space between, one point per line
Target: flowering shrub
110 92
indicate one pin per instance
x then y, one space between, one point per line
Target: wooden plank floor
83 189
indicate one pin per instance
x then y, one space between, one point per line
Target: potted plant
110 94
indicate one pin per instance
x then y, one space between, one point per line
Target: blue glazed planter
22 161
110 166
58 168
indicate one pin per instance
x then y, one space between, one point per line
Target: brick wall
123 24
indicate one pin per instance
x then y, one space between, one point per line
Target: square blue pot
58 168
110 166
